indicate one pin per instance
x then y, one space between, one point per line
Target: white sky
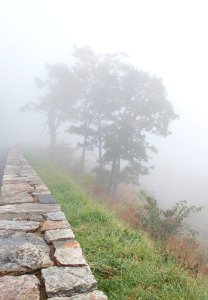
167 38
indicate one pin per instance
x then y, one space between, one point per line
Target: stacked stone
39 256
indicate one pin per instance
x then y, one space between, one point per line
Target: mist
164 38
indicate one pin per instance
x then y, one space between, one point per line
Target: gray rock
46 199
68 281
22 252
29 207
49 225
58 235
41 188
12 180
27 216
66 244
70 257
11 177
36 195
95 295
16 188
20 198
55 216
19 225
33 180
25 287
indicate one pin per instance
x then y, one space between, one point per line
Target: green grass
125 262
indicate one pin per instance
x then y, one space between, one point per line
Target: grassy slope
126 263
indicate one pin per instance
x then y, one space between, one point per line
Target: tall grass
126 263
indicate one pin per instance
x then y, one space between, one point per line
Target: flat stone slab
58 235
22 252
55 216
33 180
50 225
41 189
12 180
70 257
36 195
17 188
66 244
11 176
95 295
68 281
27 216
25 287
46 199
29 207
21 198
19 225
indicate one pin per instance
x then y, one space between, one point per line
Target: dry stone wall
3 155
39 256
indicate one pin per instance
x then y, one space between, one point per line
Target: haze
166 38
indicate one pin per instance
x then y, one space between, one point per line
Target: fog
166 38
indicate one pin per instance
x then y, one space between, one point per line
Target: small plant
162 223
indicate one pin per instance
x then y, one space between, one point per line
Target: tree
60 90
97 99
119 106
104 101
143 109
84 72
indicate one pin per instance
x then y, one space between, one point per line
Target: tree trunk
84 148
52 131
111 181
116 174
85 126
100 144
52 144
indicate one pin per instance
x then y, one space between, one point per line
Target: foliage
161 223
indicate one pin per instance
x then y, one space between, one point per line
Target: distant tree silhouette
118 106
59 93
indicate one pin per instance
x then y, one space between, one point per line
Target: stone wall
39 256
3 155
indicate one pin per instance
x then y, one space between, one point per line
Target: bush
164 223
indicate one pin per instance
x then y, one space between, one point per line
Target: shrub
162 223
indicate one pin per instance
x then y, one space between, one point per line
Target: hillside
126 263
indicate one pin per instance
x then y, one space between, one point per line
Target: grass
125 262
